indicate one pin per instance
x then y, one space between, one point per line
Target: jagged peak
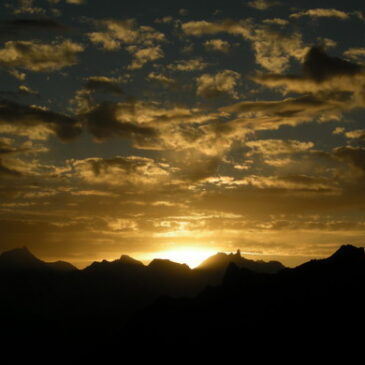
348 252
130 260
165 263
19 252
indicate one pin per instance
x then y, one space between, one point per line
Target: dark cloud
8 172
320 74
132 171
353 155
15 117
104 121
19 26
103 84
39 57
318 66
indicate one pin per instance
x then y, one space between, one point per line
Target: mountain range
227 301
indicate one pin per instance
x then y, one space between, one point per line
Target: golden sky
140 130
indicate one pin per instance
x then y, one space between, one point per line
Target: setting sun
192 256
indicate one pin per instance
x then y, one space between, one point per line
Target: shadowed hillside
164 303
320 301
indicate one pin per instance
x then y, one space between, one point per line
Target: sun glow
192 256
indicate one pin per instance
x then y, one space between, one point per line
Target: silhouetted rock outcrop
20 259
222 260
320 300
61 266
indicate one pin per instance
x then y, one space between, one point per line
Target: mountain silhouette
222 260
22 259
125 303
320 300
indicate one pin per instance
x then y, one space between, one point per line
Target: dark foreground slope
54 304
111 308
320 303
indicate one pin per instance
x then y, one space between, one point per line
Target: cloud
203 27
27 7
12 165
7 148
143 55
103 84
147 125
107 120
35 122
355 156
328 77
39 57
164 20
276 21
223 82
151 126
293 182
356 54
121 171
273 49
278 146
8 172
285 107
263 4
195 64
321 13
217 45
358 134
23 90
320 67
124 32
75 2
154 76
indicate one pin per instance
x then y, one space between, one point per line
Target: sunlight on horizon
191 256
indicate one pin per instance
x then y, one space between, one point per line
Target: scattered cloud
291 111
103 84
273 49
339 81
263 4
223 82
143 55
321 13
154 76
355 54
217 45
36 122
196 64
117 33
276 21
278 146
121 171
27 7
39 57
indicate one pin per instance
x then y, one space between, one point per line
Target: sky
144 127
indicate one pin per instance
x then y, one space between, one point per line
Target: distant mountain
345 259
125 303
220 261
123 263
167 266
319 302
22 259
61 266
